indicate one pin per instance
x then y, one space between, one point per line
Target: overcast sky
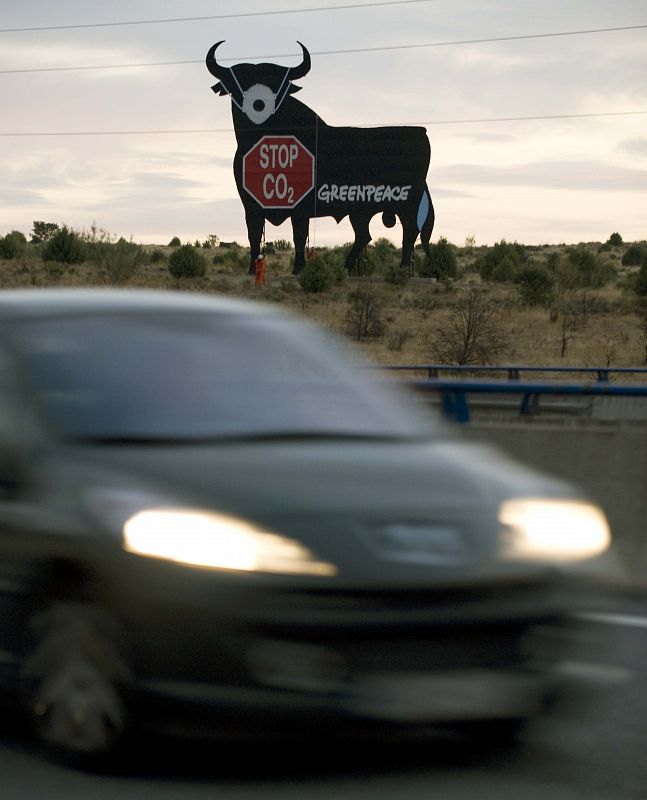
534 181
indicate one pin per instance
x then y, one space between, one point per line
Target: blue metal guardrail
454 391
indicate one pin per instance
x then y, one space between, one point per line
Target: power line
349 51
230 130
214 16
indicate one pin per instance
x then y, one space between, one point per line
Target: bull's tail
425 220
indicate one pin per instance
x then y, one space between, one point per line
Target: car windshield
203 376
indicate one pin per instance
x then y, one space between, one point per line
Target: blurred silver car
213 521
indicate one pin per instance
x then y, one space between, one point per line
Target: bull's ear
293 89
218 88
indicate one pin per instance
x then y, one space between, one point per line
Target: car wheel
74 679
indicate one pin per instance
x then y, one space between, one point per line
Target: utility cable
350 51
239 15
372 125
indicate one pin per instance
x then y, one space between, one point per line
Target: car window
202 375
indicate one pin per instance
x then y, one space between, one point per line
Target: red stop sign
278 171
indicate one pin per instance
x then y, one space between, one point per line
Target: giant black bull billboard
290 164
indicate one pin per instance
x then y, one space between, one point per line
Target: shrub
396 275
13 245
472 335
281 244
335 260
633 256
316 276
384 255
591 271
175 242
536 285
121 259
641 279
502 261
156 256
442 263
65 247
187 262
364 314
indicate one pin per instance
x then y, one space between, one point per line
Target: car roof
26 303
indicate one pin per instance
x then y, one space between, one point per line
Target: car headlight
217 541
552 530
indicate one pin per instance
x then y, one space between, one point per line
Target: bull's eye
259 103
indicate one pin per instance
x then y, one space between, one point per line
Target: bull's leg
409 236
255 224
360 222
300 227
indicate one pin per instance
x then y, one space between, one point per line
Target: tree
12 245
473 334
43 231
442 263
175 242
615 240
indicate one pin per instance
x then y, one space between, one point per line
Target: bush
633 256
590 270
384 255
641 280
175 242
65 247
536 285
396 275
364 314
120 260
156 256
316 276
501 262
281 245
187 262
472 335
13 245
442 263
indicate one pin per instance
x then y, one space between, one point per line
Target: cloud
562 175
21 197
635 147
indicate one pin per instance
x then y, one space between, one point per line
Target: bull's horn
216 69
304 66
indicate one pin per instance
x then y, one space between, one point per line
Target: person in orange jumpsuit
261 270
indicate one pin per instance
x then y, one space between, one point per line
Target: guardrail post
455 406
530 404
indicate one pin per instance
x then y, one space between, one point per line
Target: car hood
381 511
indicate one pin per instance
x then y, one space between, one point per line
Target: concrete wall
608 461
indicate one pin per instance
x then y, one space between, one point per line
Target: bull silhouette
357 172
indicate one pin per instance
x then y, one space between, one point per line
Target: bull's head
257 89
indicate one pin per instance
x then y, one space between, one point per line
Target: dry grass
607 332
